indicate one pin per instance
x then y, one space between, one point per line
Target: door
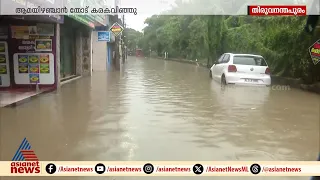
224 65
216 68
67 59
109 55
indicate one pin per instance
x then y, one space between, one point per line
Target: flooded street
155 110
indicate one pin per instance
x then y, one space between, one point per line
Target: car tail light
232 68
267 71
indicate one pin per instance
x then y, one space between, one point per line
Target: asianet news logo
26 160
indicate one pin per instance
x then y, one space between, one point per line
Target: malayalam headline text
85 10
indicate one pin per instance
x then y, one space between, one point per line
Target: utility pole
117 52
123 44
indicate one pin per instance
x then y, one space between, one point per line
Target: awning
83 19
89 20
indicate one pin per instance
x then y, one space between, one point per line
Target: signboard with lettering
314 51
4 65
83 19
33 68
32 32
33 57
104 36
116 29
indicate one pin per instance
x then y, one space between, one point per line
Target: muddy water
160 110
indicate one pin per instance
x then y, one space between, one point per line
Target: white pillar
91 50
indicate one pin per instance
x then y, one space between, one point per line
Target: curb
184 61
27 99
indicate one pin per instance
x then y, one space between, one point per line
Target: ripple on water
164 110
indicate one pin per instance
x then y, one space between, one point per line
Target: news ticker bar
159 168
256 10
147 7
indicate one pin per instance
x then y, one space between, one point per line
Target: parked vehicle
139 53
242 69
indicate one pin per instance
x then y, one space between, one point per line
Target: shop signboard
89 20
33 57
104 36
4 65
27 32
116 29
45 18
101 19
55 18
83 19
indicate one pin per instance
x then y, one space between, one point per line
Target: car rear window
249 60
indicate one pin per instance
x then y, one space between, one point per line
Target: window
249 60
226 58
220 59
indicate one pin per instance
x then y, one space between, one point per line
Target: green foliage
281 40
134 38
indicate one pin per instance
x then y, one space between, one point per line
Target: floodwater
155 110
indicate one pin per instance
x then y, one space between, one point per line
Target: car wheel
210 74
223 80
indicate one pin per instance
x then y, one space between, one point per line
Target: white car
242 69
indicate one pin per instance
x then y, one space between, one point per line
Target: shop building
40 53
102 46
29 44
75 48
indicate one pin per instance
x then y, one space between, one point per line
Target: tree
281 40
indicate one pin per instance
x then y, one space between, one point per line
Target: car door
216 67
224 64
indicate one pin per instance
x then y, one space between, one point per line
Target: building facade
39 51
102 49
43 51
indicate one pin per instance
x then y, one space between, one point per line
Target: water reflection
162 110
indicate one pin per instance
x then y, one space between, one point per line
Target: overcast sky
136 21
147 9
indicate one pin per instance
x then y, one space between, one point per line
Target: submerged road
155 110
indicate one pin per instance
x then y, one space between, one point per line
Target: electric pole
123 48
117 51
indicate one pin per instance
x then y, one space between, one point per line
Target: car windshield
249 60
